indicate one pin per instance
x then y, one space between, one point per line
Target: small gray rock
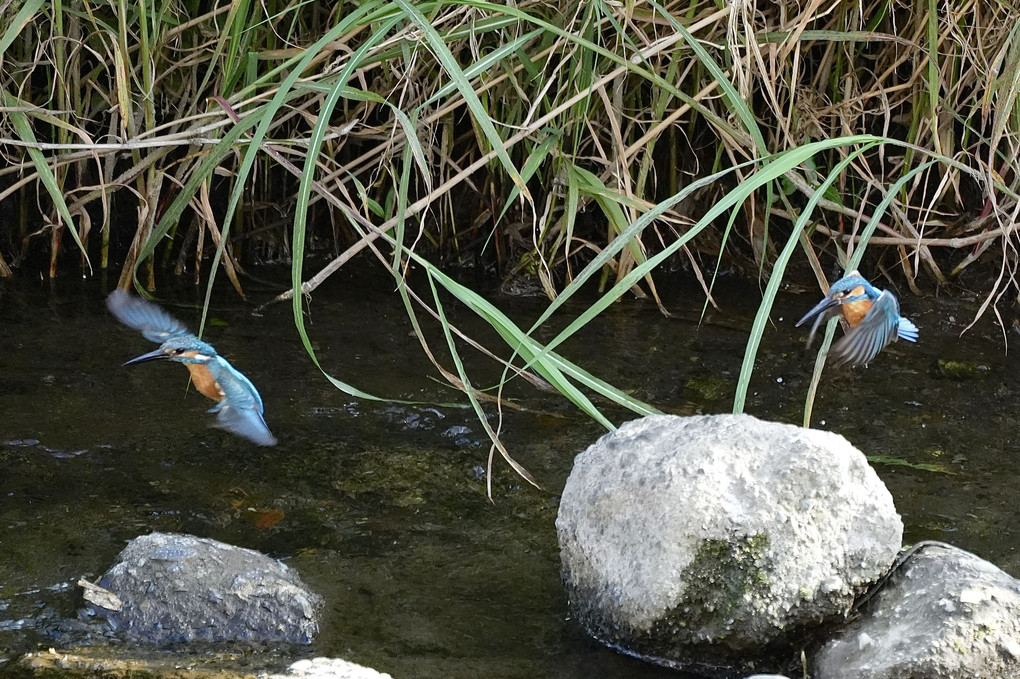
944 614
697 542
176 588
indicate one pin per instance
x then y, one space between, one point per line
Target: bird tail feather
907 330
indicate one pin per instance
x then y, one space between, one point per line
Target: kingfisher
872 314
239 406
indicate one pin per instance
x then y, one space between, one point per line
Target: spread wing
246 422
240 410
155 324
877 330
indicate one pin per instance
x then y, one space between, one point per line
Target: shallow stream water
382 509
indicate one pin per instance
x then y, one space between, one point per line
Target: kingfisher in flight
872 314
239 406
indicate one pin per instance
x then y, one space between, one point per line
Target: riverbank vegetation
553 145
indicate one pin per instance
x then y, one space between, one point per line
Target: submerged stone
140 663
943 614
706 543
961 370
707 389
175 588
327 668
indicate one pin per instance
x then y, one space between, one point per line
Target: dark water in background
383 506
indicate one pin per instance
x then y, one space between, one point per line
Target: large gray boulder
171 588
943 614
707 542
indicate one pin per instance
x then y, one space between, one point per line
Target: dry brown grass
609 111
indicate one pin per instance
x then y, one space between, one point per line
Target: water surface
382 508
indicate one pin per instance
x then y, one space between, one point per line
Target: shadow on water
381 508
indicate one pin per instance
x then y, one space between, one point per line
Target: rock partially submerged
707 543
88 663
944 613
327 668
178 588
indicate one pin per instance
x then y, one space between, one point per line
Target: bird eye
178 352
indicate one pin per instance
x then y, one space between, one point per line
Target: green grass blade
23 128
732 200
534 161
548 366
334 95
733 99
462 373
854 263
765 308
456 74
24 16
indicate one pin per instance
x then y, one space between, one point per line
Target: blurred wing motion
881 327
246 422
872 314
238 403
155 324
240 410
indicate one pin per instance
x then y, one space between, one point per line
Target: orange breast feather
854 312
204 381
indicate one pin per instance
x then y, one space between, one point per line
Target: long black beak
823 311
155 355
819 310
